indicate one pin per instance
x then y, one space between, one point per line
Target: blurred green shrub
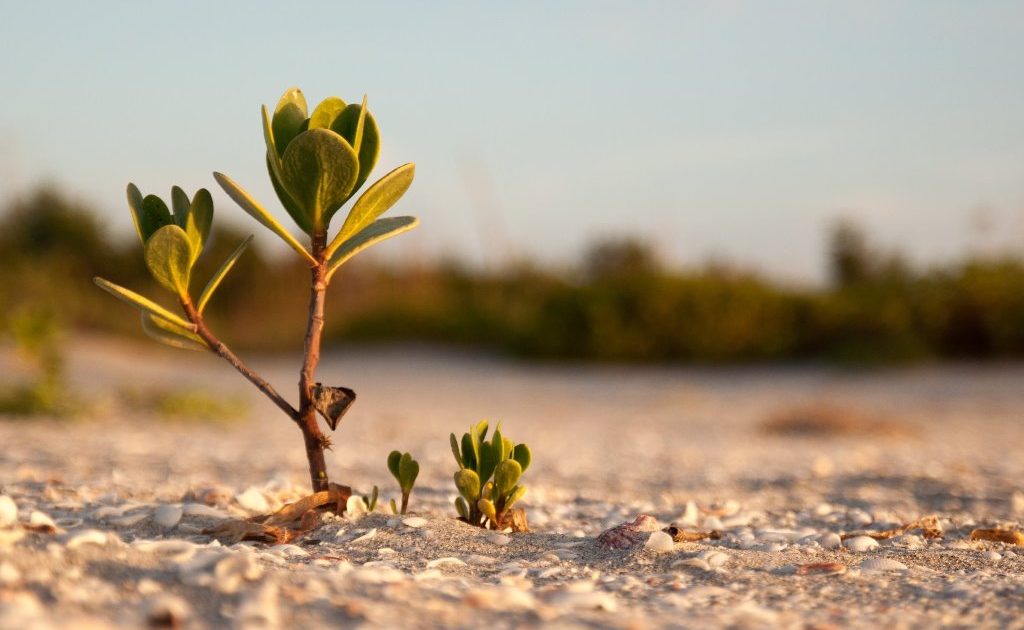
620 304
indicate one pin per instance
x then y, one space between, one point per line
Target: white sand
608 443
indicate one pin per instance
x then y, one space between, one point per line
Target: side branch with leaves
316 162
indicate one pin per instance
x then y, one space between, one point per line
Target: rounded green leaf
149 213
408 470
468 454
326 113
319 170
460 506
346 125
487 507
468 483
179 206
506 476
521 453
169 257
377 200
394 457
291 207
289 118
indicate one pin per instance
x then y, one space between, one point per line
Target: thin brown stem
218 347
314 438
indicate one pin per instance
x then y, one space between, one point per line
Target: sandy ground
609 443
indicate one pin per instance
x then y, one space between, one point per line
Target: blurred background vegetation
619 303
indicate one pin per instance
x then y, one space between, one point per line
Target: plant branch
314 438
218 347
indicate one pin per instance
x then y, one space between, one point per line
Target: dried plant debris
826 420
680 535
928 525
1009 536
332 402
286 524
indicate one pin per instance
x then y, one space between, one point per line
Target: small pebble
992 556
253 501
87 537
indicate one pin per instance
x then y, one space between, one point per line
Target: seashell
882 564
355 508
499 539
714 558
367 536
659 542
445 562
8 511
831 540
628 535
992 556
695 563
253 501
415 521
861 543
87 537
690 515
41 522
168 516
69 522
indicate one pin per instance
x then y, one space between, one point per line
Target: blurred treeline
618 304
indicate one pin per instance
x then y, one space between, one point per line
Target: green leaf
408 470
487 507
140 302
135 205
169 333
179 204
149 213
256 211
394 507
326 113
521 453
215 281
169 257
516 494
294 211
468 483
488 460
377 200
347 125
289 118
319 170
199 219
394 457
455 451
357 140
468 454
379 230
480 429
460 506
506 476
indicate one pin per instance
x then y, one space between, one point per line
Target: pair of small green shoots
486 502
404 469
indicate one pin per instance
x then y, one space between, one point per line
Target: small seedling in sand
371 501
404 469
485 502
316 161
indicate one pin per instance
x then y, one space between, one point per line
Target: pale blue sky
727 130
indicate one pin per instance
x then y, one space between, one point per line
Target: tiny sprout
485 502
404 469
371 501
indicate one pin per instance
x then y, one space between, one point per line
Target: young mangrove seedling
487 502
404 469
317 162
